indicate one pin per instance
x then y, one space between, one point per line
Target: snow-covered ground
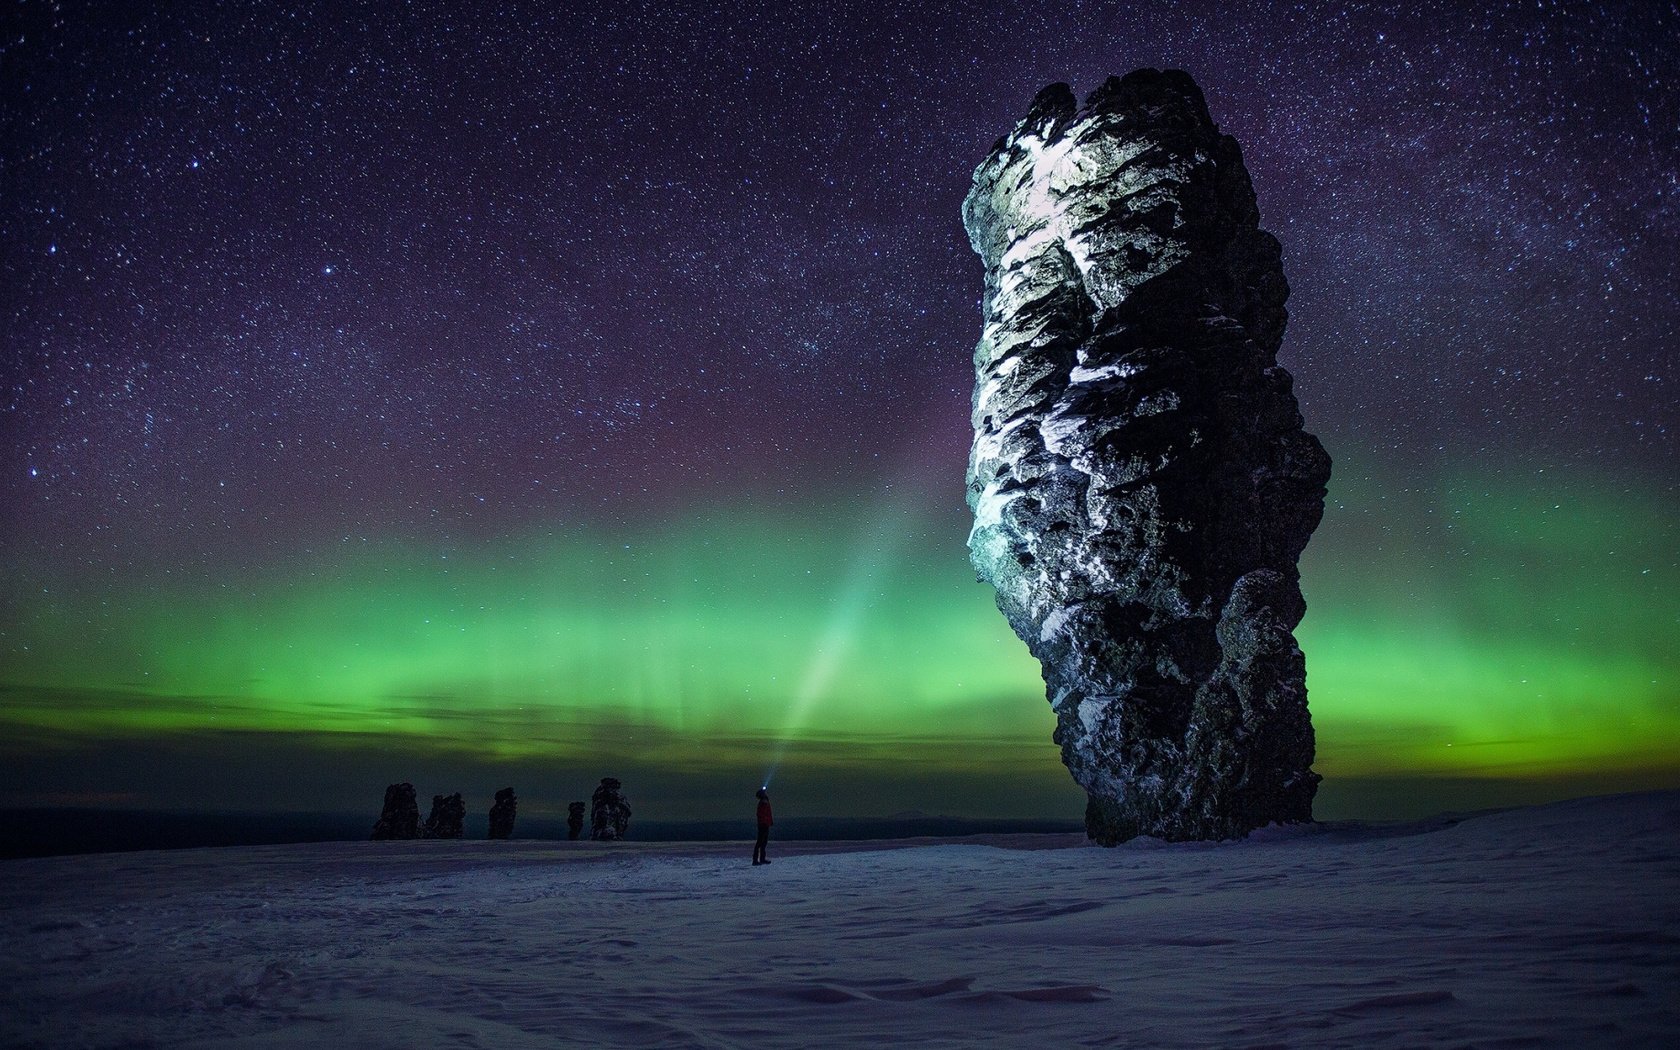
1552 926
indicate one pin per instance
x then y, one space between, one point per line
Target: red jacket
764 819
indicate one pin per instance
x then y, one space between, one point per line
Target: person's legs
758 847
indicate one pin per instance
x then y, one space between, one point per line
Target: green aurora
1520 633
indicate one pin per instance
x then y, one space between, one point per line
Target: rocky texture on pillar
502 812
399 818
574 820
449 814
1141 481
609 814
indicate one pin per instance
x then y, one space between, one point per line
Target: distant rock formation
574 820
400 816
502 814
609 817
449 815
1141 483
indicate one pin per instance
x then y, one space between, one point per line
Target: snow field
1550 926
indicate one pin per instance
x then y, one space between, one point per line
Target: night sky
485 394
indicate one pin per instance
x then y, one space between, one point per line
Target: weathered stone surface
1141 483
506 807
574 820
609 815
449 815
399 818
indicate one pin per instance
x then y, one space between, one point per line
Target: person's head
764 794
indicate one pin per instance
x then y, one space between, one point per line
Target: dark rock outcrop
400 816
449 815
609 814
502 813
1141 483
574 820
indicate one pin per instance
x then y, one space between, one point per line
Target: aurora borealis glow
628 437
683 650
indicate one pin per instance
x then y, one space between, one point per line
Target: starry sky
524 393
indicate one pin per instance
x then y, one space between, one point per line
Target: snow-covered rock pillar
1141 483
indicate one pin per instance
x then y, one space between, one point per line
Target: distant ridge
56 832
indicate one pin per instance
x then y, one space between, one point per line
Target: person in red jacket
764 822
